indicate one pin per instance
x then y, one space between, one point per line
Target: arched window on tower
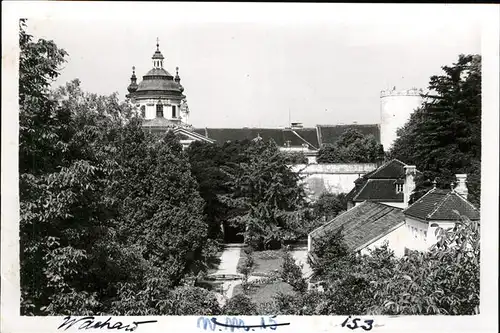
159 110
143 111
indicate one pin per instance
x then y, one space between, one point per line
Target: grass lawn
267 263
263 293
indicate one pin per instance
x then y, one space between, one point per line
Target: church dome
157 82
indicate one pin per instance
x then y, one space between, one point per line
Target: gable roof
314 137
331 133
438 204
363 224
191 135
380 184
282 136
379 190
392 169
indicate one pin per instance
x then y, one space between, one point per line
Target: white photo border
11 321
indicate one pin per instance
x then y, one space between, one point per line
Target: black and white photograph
220 160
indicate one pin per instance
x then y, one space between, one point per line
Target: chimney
461 185
409 185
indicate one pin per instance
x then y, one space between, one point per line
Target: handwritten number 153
367 324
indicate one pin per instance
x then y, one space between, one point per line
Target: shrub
291 273
240 305
191 301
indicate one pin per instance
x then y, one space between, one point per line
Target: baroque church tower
162 104
159 96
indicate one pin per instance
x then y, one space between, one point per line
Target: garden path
300 256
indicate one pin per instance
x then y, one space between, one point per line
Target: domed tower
159 95
395 110
133 82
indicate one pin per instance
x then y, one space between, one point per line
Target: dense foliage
352 147
291 272
443 137
111 220
444 280
240 305
250 184
329 205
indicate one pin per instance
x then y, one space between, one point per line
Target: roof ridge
337 125
318 135
467 201
439 205
327 223
386 164
361 190
419 199
392 207
293 131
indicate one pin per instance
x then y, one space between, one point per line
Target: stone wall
332 178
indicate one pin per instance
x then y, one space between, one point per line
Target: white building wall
418 233
331 178
395 110
423 234
396 240
150 105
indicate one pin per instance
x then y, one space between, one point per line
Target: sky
258 65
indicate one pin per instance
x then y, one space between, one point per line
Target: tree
444 280
329 254
443 137
291 273
111 220
266 196
191 301
352 147
329 205
206 161
295 157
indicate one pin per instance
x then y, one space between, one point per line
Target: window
399 188
159 110
173 111
143 111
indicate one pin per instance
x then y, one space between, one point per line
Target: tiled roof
440 204
379 190
363 224
380 184
296 137
331 133
313 137
393 169
159 85
158 72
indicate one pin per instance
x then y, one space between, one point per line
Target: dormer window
159 110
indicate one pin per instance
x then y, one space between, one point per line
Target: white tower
395 110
